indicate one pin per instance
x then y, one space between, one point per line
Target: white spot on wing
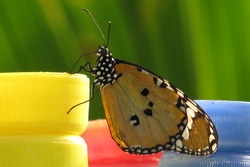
185 134
182 108
143 71
190 120
191 105
181 128
190 112
178 144
214 146
133 122
211 138
158 82
211 130
180 93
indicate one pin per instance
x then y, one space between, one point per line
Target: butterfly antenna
99 29
108 33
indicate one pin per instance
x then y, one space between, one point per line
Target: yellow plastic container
35 129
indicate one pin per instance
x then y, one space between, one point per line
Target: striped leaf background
202 46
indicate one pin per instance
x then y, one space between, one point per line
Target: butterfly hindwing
200 136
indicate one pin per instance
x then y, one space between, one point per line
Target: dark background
202 46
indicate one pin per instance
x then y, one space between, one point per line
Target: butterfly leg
87 67
82 67
92 93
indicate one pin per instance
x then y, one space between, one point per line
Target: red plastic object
103 151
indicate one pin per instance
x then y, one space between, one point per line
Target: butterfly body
147 114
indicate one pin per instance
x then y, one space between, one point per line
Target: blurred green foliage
202 46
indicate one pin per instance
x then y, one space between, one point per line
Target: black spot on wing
181 104
160 83
163 85
139 69
145 92
155 79
134 120
148 112
150 104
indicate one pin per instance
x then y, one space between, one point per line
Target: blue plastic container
232 121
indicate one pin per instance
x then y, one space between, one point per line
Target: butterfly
146 113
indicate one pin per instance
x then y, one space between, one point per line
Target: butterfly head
104 71
103 51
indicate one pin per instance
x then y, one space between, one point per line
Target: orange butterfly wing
144 115
135 130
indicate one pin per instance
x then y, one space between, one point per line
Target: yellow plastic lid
37 102
35 129
43 151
